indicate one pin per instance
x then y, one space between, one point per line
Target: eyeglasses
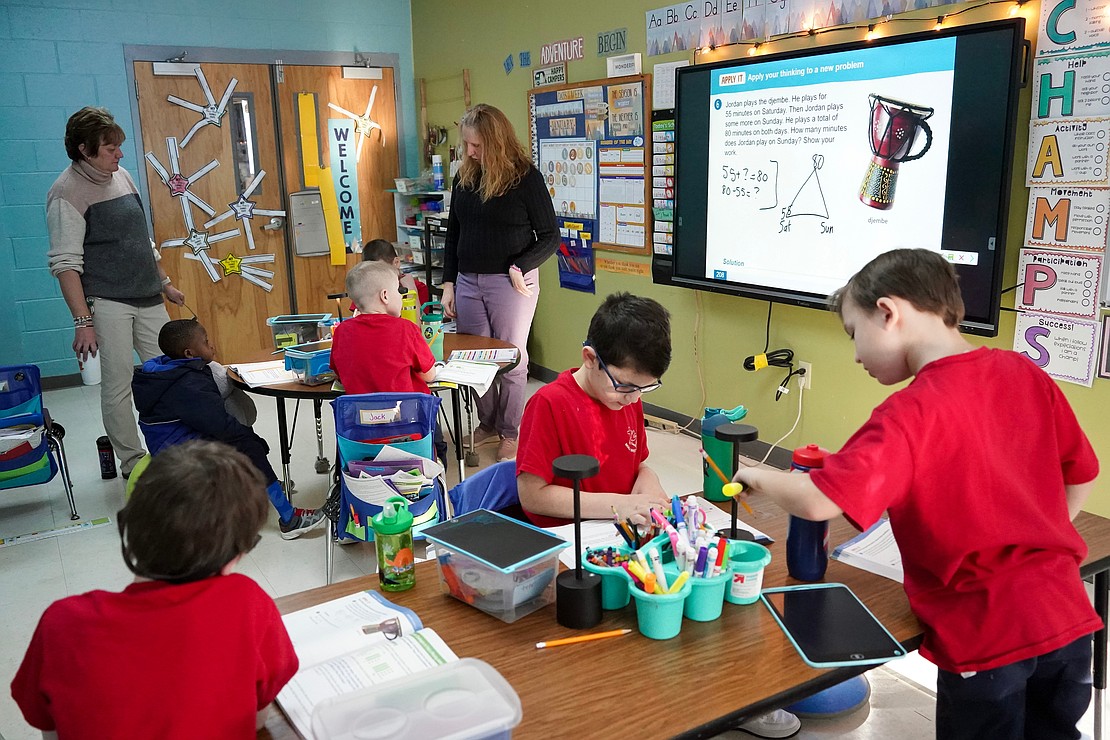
625 387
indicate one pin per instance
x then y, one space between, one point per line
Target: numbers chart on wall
591 144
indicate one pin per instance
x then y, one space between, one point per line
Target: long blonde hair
504 161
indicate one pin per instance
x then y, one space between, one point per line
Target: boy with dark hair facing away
377 351
178 399
189 649
981 465
596 410
380 250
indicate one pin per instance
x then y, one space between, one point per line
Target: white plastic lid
462 700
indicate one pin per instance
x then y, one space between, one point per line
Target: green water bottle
431 324
720 452
393 541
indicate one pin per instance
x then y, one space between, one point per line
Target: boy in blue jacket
178 400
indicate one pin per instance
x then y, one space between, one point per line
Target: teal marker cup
659 616
746 561
614 581
707 597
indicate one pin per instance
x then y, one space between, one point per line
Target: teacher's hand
84 342
516 277
173 295
448 300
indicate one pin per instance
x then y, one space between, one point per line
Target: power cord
776 358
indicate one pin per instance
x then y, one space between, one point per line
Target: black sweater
517 228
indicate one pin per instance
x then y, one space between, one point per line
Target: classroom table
320 393
696 685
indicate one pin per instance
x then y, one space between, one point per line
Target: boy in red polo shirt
981 465
377 351
596 410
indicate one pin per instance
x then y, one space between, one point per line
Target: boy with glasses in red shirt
596 410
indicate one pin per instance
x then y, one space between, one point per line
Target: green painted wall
712 334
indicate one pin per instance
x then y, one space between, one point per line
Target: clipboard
829 626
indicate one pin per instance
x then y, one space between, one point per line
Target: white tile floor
34 574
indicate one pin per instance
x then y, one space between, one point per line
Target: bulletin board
590 141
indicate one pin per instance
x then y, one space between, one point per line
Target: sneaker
302 521
483 434
779 723
506 450
347 540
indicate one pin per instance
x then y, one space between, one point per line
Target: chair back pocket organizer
367 423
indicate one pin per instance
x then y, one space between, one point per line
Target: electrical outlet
807 379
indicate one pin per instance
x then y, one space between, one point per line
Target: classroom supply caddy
310 362
502 566
299 328
364 425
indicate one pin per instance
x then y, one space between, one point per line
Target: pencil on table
724 478
581 638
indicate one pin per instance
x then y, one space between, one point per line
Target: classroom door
345 119
213 138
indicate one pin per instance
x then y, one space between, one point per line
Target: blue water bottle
807 543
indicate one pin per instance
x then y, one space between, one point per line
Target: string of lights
872 27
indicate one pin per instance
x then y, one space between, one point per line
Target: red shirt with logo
561 419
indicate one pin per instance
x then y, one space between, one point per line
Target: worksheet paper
874 551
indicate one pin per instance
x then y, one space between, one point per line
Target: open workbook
352 643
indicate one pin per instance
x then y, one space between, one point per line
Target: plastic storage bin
299 328
502 566
311 362
463 699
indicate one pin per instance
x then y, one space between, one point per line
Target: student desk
698 684
320 393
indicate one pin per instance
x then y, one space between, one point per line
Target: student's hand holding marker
638 506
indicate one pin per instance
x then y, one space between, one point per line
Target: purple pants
488 306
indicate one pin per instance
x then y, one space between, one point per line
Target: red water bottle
107 458
807 543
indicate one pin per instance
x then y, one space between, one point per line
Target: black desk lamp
737 434
577 592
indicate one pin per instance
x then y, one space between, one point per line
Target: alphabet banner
1067 218
1068 151
1062 347
1068 26
1071 86
1059 282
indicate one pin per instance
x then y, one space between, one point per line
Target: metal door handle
275 224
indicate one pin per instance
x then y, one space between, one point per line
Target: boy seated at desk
377 351
189 649
178 399
596 410
981 465
381 250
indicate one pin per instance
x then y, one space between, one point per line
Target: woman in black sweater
501 229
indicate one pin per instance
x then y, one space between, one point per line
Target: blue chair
31 450
493 489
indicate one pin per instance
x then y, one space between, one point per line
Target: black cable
767 331
776 358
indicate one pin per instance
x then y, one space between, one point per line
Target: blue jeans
1041 698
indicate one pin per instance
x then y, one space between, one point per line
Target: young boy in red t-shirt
981 466
596 410
377 351
189 649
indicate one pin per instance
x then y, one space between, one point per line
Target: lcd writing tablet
829 626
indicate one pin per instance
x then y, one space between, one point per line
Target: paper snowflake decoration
244 267
363 124
212 113
245 209
178 184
